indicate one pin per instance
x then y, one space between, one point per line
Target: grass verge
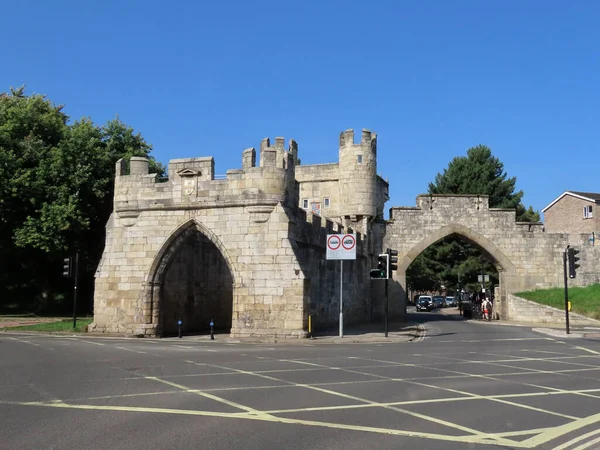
584 300
65 325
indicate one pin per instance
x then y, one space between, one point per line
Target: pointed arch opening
495 286
191 280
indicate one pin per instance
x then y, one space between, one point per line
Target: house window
359 159
587 212
326 202
305 203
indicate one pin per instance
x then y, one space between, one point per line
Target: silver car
450 301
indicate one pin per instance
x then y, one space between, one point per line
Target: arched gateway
191 278
248 250
525 256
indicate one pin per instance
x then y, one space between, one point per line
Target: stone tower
358 175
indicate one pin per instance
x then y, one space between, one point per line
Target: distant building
573 212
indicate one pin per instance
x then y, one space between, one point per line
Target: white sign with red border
341 246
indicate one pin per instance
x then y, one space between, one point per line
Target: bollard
212 330
310 326
179 322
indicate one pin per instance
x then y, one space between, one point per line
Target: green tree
481 173
56 192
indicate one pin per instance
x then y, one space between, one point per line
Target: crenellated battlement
192 182
367 138
277 155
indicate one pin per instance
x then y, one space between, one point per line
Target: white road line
24 342
588 350
90 342
129 350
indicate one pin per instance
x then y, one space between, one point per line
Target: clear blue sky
431 78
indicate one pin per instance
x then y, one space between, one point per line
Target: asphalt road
463 385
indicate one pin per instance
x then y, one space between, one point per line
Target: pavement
459 384
14 321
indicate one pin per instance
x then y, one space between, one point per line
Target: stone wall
526 257
322 276
316 183
566 216
521 310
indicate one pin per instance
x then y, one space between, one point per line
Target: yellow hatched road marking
205 394
577 439
475 439
393 408
556 432
587 444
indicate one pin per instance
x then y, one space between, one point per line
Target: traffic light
573 266
392 261
382 267
68 267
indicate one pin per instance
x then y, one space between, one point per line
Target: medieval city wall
526 257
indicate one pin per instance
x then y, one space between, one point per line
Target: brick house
573 212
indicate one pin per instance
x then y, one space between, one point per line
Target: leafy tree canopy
56 189
481 173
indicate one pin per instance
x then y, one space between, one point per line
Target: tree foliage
56 192
481 173
453 262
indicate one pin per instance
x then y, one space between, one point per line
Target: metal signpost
341 247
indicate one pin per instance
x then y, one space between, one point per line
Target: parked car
424 303
438 302
450 301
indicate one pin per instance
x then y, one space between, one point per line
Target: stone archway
190 279
506 269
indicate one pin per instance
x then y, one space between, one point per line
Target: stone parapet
522 310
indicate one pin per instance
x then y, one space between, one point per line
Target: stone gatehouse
240 250
248 250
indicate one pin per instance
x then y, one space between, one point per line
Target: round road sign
348 242
334 242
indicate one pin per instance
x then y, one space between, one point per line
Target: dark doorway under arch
197 287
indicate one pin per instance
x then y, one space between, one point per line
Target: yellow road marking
577 439
556 432
267 418
495 399
106 397
522 432
404 411
587 444
207 395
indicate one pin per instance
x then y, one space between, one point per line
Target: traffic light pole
566 289
386 308
75 290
